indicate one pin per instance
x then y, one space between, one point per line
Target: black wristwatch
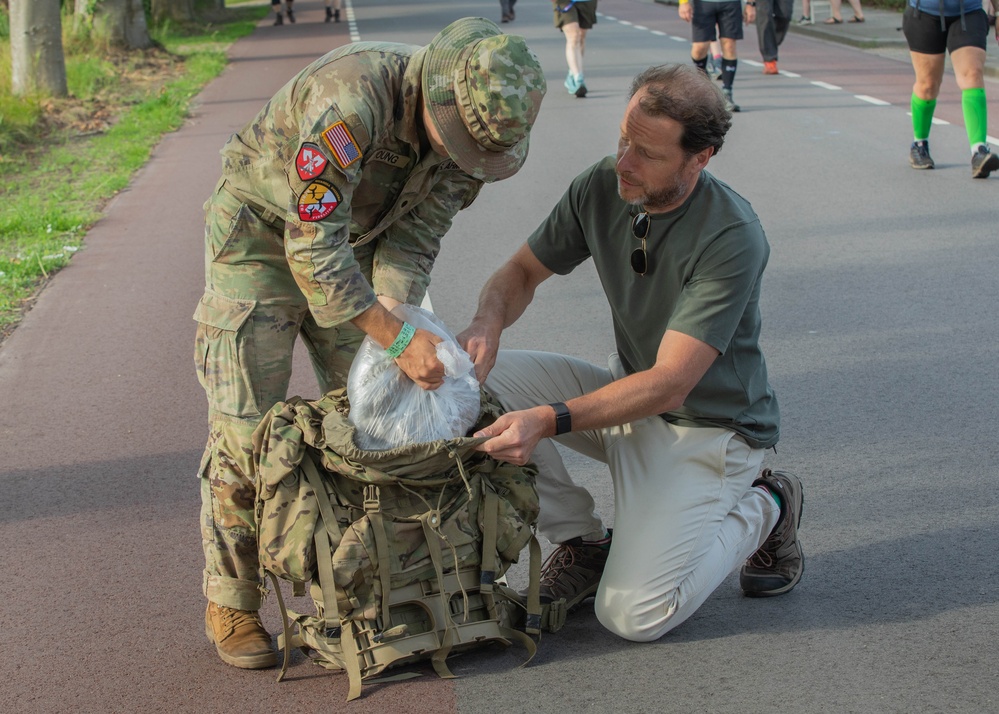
563 419
751 3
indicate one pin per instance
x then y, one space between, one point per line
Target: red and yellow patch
310 162
341 142
318 200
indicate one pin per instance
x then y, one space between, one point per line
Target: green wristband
402 341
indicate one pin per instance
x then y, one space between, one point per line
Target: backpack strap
285 639
431 532
532 624
490 518
324 552
373 509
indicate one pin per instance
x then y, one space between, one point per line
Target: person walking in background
961 27
574 18
806 13
714 59
773 17
278 17
506 9
836 8
728 16
333 8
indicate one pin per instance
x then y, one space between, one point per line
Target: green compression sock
976 115
775 497
922 117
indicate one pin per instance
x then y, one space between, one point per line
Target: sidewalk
881 29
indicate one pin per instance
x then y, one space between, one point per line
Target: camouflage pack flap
287 508
418 465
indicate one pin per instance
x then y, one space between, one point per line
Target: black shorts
726 15
923 33
584 13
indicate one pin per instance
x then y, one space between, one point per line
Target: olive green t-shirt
706 261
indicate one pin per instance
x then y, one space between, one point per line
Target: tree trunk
83 14
180 10
122 23
37 61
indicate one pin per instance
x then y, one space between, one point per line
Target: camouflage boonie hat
483 90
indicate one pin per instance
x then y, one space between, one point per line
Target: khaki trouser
686 514
248 321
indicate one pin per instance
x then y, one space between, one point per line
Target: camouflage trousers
249 318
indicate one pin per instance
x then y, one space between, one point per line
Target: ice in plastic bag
388 409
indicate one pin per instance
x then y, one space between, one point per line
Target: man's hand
749 14
419 360
687 11
515 434
482 346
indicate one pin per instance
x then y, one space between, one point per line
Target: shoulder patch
317 201
345 150
449 165
310 161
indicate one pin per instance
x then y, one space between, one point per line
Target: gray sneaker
919 155
983 163
572 572
729 104
777 566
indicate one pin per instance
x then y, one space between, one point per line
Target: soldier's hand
419 360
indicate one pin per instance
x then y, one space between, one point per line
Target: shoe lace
561 560
761 559
233 620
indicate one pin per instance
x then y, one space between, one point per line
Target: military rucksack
403 548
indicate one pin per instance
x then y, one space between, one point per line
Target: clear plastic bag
388 409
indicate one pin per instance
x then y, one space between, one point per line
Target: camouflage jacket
335 159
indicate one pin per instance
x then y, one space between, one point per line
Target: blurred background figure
574 18
835 6
506 7
333 8
278 17
773 17
960 27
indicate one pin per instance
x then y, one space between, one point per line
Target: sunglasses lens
640 226
639 261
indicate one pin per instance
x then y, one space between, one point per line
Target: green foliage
86 76
4 24
55 184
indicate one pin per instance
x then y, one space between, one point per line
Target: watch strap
563 419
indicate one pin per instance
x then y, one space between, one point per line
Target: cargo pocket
224 354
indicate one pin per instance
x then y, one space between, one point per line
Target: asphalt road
879 322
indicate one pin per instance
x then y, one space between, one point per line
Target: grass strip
54 189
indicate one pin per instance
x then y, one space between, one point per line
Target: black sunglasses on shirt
640 226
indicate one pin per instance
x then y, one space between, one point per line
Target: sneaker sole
987 167
917 167
785 588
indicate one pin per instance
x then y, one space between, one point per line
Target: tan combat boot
239 637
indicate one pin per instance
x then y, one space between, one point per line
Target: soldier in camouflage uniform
330 211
